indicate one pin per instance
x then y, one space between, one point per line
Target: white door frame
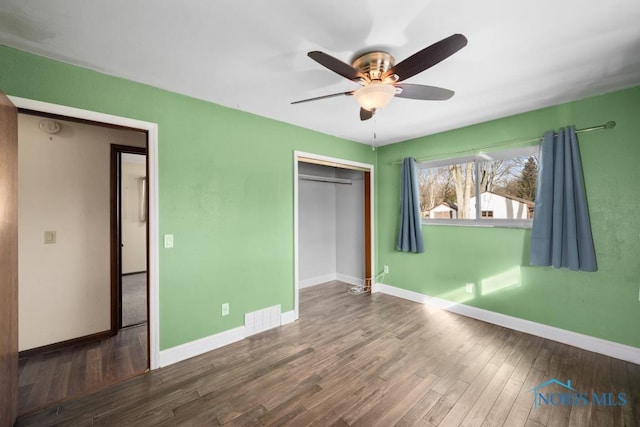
336 162
152 159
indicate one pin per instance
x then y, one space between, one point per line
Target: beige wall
134 222
63 186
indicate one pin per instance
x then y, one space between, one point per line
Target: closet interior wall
331 226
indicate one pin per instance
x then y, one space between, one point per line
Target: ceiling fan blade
366 114
427 57
428 93
337 66
324 97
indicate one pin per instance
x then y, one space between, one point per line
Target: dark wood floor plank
395 402
519 349
292 406
568 370
581 415
503 404
420 409
405 402
476 365
391 390
524 364
523 405
506 346
446 402
545 361
622 415
149 412
28 371
354 400
462 407
602 415
487 398
321 408
450 377
340 404
42 386
60 385
385 401
65 373
349 360
633 373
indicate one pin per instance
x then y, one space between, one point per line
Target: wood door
368 273
8 261
116 234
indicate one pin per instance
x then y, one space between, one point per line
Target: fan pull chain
373 130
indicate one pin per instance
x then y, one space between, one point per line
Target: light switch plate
49 237
168 241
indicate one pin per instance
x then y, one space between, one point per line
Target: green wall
226 191
602 304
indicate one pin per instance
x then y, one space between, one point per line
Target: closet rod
608 125
324 179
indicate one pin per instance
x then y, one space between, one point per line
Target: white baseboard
318 280
349 279
314 281
288 317
194 348
586 342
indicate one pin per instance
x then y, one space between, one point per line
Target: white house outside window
490 189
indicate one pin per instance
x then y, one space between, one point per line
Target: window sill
484 223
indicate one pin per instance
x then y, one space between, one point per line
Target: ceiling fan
380 77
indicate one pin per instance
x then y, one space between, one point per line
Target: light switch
168 241
49 237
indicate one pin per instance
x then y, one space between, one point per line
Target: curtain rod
608 125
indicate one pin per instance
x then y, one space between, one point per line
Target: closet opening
333 223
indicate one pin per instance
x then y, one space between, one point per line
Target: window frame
479 159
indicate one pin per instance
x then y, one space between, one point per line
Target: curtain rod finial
610 125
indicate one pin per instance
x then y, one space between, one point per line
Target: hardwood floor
56 375
365 360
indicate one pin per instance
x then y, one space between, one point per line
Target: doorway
65 276
83 116
151 130
345 169
129 236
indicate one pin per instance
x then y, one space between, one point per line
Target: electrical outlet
168 241
469 288
225 309
385 269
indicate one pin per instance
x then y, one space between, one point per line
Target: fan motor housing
374 64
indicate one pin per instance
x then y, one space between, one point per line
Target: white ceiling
251 54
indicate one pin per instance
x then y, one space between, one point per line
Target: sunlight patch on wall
459 295
502 281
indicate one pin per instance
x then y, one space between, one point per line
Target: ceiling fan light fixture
374 95
380 76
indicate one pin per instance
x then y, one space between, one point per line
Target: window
496 188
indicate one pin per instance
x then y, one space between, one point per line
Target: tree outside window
505 182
